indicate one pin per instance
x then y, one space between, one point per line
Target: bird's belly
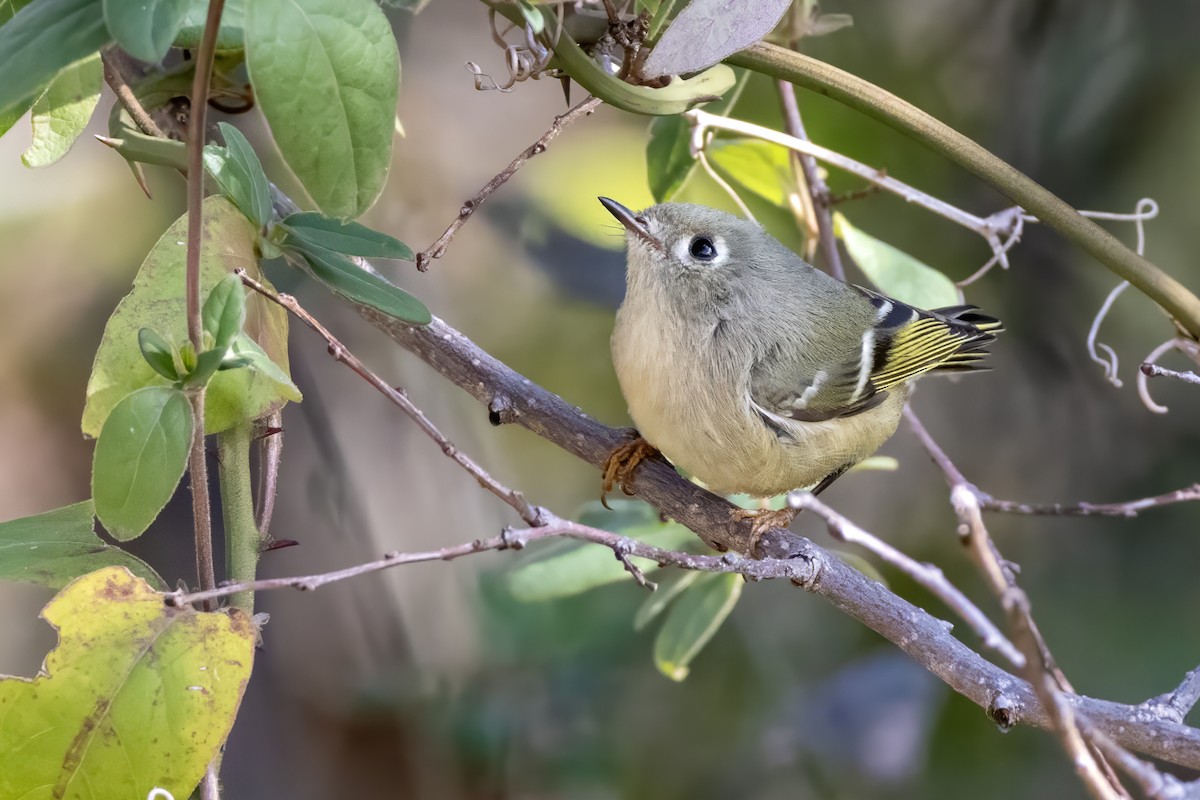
720 440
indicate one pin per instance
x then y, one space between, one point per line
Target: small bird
756 373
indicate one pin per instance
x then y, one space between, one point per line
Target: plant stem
243 543
884 106
198 470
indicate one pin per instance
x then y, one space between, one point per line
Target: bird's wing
903 342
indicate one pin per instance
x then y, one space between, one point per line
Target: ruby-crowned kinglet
753 371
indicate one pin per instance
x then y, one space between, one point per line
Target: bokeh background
432 681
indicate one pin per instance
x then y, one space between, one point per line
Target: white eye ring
686 250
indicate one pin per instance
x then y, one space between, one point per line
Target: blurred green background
431 681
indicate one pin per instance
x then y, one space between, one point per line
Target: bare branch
1154 356
438 248
114 76
990 228
1155 371
802 572
530 513
1006 698
1155 784
1127 509
928 575
817 189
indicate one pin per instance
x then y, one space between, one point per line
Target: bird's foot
763 520
620 464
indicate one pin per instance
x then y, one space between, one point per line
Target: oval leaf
136 695
157 302
56 547
578 568
693 620
350 238
326 75
709 30
147 28
158 353
349 280
139 459
42 39
224 312
894 272
61 114
239 175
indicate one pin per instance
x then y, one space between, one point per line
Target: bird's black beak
634 223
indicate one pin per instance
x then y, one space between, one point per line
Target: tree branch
817 189
884 106
511 398
438 248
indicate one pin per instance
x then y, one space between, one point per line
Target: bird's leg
621 462
763 520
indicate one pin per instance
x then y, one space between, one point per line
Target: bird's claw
620 464
763 520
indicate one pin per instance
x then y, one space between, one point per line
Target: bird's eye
702 249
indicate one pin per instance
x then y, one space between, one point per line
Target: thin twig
1127 509
438 248
116 80
990 228
1041 669
1151 370
717 179
533 515
1155 784
799 571
197 467
1154 355
816 184
927 575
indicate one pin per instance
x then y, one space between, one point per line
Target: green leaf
207 365
669 588
42 39
693 620
326 75
140 457
349 238
247 350
157 301
62 112
239 175
349 280
578 568
231 35
159 353
146 28
56 547
761 167
224 312
669 161
894 272
136 695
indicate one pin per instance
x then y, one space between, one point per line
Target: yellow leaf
137 694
